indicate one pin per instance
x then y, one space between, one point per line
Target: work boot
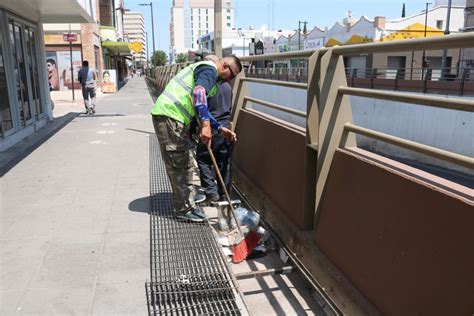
193 214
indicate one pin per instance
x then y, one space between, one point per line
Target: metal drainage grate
189 274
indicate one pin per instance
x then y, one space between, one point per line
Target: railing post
426 79
312 134
463 80
239 91
334 111
374 74
354 75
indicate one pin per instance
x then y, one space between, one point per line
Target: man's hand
227 133
206 134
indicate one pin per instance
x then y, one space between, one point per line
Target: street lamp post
152 23
147 55
241 33
423 61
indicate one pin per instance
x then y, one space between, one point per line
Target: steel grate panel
189 274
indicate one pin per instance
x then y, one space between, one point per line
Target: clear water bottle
247 217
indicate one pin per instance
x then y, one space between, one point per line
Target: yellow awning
117 48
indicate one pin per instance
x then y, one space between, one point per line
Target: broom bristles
241 250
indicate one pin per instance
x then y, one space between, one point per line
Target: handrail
273 106
279 56
429 43
288 84
411 145
433 101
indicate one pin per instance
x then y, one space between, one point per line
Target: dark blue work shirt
220 105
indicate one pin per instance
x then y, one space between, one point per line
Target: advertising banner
109 81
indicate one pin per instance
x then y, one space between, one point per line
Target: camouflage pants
177 153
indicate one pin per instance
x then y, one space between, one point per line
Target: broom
243 245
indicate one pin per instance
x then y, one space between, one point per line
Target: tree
181 58
403 11
159 58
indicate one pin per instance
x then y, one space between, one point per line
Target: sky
285 13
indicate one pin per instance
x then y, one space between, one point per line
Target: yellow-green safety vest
176 101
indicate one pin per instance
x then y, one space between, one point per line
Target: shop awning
52 11
117 48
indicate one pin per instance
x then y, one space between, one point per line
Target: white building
239 42
191 19
134 30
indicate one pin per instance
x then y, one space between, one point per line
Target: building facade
134 28
191 19
25 105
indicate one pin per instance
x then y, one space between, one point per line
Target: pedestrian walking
185 97
220 107
87 79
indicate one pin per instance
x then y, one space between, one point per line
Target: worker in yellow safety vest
185 97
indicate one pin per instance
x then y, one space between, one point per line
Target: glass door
6 122
30 41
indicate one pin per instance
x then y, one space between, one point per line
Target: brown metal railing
328 113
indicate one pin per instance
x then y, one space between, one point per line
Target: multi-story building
134 28
191 19
25 105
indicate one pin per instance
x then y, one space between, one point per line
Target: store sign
58 39
70 37
313 43
137 47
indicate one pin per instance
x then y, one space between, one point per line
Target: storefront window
5 111
16 40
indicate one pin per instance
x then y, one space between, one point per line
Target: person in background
87 79
220 107
185 97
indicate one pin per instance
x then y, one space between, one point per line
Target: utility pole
423 61
445 51
152 23
218 28
299 32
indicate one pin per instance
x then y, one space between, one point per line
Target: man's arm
205 78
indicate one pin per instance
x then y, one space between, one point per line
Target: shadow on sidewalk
12 156
163 200
141 205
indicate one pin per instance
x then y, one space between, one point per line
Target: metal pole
299 35
218 28
70 57
445 51
152 26
147 55
424 52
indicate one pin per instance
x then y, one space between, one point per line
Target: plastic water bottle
247 217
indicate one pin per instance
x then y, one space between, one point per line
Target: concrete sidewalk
74 223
